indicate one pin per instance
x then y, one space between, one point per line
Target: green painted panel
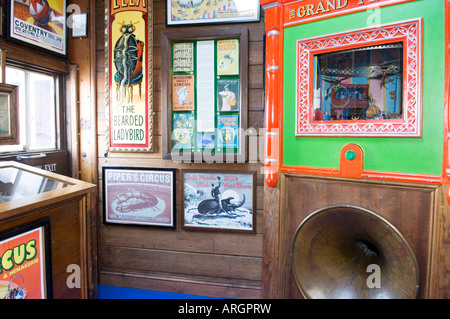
406 155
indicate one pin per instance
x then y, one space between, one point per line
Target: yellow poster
128 77
228 57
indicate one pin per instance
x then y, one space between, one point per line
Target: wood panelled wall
218 264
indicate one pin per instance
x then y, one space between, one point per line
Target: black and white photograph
217 200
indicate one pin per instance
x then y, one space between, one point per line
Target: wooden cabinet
29 195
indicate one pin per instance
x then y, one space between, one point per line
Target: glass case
16 183
55 213
23 186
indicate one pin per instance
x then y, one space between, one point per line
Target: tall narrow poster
129 80
205 86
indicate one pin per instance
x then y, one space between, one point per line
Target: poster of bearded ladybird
218 200
39 23
129 77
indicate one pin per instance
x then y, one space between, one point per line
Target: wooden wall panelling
82 53
409 207
440 270
205 263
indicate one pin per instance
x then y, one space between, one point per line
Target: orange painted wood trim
274 93
446 156
366 174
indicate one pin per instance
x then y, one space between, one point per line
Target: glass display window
361 83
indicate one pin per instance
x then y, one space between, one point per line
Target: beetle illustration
128 53
211 206
215 205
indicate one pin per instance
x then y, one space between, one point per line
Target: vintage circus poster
206 11
129 77
39 23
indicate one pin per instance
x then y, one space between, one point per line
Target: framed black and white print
219 201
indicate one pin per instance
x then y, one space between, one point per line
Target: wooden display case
29 195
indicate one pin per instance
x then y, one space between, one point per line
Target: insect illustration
128 56
216 205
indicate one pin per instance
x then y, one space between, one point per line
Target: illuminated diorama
362 82
359 84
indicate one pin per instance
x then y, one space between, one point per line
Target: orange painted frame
446 156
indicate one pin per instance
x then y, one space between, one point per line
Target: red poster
183 92
23 265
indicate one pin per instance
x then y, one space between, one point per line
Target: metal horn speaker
348 252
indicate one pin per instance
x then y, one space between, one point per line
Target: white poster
205 86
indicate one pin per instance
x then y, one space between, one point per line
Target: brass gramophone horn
350 252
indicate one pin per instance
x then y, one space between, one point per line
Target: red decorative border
408 32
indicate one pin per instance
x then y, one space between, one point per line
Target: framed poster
219 200
183 131
227 131
40 24
25 271
9 118
139 196
80 25
181 12
183 92
129 79
205 100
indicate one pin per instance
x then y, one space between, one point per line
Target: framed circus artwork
129 98
219 200
39 24
139 196
364 82
205 105
25 269
182 12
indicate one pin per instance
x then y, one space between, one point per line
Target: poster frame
44 224
11 36
126 186
209 216
11 113
240 154
210 17
146 87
